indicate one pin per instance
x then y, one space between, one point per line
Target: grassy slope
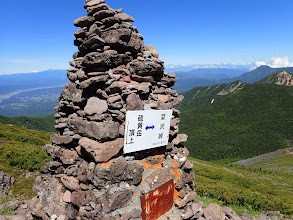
21 150
40 124
245 189
256 120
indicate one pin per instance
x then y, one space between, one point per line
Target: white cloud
275 62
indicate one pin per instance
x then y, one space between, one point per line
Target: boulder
61 139
70 183
67 157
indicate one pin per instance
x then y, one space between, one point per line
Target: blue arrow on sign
149 127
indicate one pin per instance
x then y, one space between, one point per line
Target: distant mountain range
205 77
35 94
238 120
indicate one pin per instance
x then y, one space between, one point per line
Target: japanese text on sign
146 129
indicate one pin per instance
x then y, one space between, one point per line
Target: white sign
146 129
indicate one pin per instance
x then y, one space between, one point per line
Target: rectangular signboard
157 202
146 129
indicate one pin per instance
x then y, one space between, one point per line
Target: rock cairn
90 177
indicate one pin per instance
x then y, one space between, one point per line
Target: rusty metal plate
157 202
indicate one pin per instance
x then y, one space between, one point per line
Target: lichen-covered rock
71 93
5 183
117 171
51 199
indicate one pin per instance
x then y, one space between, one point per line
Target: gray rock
85 21
93 3
96 130
125 17
71 93
102 59
214 211
50 167
124 39
61 139
93 43
96 106
103 14
67 157
146 68
5 183
93 81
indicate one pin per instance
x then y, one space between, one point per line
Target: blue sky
37 35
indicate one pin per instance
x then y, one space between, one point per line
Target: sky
38 35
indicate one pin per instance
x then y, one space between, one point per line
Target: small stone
125 17
67 196
127 79
70 182
153 51
113 99
163 98
93 3
85 21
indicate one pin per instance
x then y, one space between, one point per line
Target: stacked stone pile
90 177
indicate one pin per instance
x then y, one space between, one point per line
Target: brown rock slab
124 39
67 157
101 152
93 3
103 14
61 139
125 17
85 21
133 102
96 106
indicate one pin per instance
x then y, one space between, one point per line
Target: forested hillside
253 121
